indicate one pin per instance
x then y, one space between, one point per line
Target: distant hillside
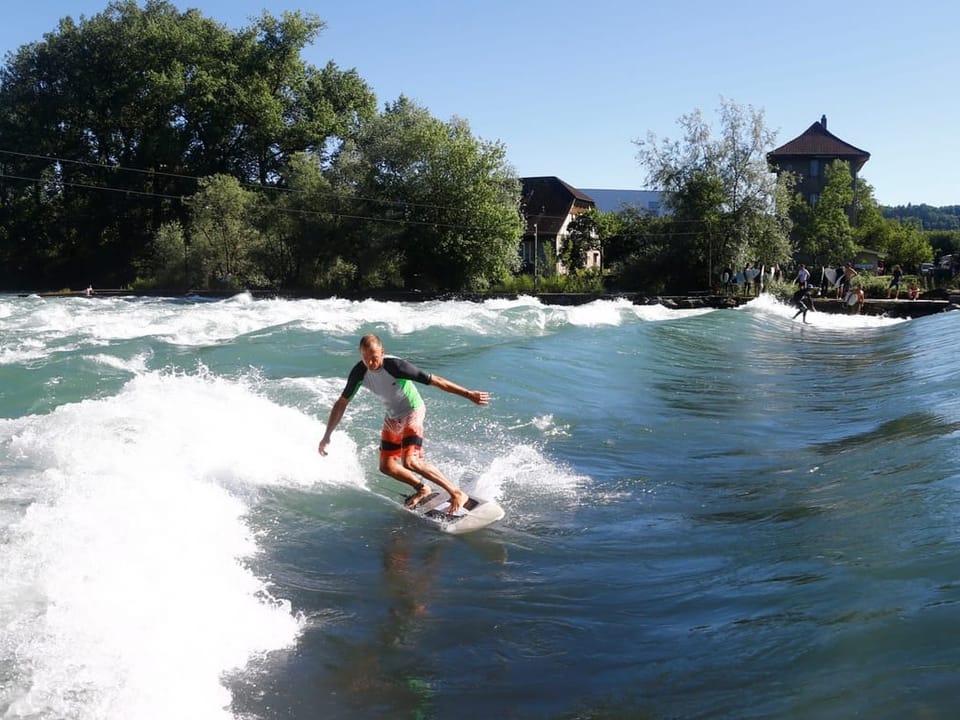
930 217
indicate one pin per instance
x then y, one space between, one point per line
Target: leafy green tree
720 190
768 233
867 212
224 240
167 264
870 227
304 231
826 234
587 232
118 114
831 235
152 136
443 205
639 252
944 242
699 230
908 246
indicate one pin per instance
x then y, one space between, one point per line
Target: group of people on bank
841 280
896 279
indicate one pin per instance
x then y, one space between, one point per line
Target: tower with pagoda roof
809 153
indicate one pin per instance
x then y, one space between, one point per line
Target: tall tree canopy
730 208
106 123
158 146
825 233
439 194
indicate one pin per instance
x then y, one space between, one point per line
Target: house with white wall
549 205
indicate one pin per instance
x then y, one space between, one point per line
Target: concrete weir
888 308
942 300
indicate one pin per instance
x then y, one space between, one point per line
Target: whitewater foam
770 305
127 592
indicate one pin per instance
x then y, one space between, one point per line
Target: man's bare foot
422 491
457 499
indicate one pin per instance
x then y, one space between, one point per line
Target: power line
274 188
90 187
254 186
288 211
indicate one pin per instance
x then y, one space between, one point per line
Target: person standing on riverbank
895 281
861 298
846 281
401 440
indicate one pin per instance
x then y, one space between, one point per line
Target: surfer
802 299
401 440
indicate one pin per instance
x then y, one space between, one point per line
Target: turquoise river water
710 514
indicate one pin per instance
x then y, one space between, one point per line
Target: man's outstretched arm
336 414
480 397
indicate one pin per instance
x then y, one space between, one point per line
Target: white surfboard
475 513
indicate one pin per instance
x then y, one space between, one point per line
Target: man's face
372 356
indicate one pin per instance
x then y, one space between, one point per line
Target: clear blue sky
568 86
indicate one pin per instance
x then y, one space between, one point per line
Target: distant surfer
401 440
802 299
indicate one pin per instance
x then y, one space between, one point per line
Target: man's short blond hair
370 341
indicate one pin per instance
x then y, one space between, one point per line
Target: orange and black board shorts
403 436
